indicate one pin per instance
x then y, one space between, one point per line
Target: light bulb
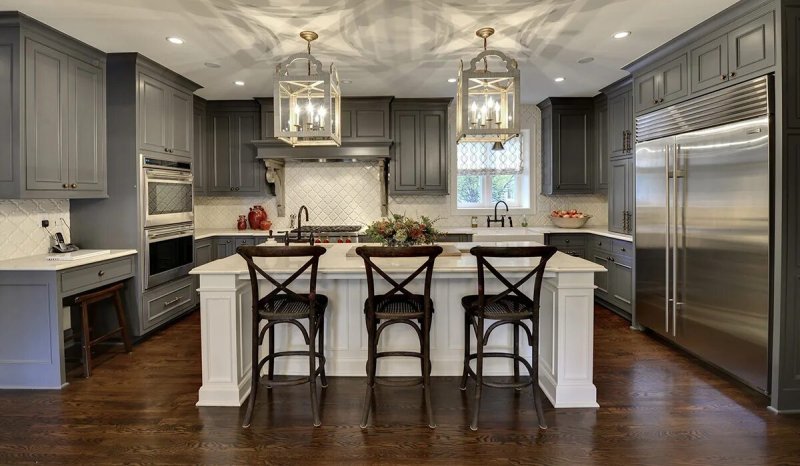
322 112
310 108
474 106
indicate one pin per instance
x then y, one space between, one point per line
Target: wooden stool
94 297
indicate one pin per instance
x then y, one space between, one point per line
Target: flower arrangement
399 230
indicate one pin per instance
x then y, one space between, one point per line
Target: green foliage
399 230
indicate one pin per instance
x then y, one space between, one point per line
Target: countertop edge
39 263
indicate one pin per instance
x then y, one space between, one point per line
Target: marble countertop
39 262
483 231
335 261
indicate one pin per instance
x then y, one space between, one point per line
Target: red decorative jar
256 216
241 224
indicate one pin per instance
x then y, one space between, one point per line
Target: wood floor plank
658 406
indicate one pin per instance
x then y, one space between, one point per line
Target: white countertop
484 231
39 262
335 261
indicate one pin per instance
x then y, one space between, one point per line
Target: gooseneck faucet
300 219
502 219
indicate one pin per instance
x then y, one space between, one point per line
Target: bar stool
284 306
111 292
398 306
510 307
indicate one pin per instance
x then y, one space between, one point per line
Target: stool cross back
398 306
509 307
285 306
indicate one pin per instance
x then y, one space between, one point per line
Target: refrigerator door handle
674 212
668 237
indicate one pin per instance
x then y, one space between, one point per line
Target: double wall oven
168 218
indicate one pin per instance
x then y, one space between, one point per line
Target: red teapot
256 216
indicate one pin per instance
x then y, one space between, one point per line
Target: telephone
61 246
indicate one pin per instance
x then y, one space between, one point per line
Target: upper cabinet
419 154
619 134
53 120
568 149
601 143
231 161
729 48
740 53
662 85
165 117
365 118
199 145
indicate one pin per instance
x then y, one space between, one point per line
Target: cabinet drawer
96 275
622 248
165 302
573 251
569 239
243 242
601 244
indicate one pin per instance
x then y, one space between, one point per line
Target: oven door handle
153 174
169 235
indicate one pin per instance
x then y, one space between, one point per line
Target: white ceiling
405 48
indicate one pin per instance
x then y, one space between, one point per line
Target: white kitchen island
565 336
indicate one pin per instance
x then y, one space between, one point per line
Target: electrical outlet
45 223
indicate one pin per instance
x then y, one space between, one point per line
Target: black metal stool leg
537 390
478 375
467 325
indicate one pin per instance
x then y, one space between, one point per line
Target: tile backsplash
21 232
349 193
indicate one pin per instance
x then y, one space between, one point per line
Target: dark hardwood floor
658 406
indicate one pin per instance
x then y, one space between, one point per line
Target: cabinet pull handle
171 301
100 273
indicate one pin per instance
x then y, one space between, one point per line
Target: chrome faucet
502 219
300 219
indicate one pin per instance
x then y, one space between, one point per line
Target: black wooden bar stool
284 306
111 292
510 307
398 306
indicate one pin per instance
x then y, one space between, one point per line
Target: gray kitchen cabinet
225 246
231 160
620 288
573 244
601 280
662 85
601 143
567 145
165 117
52 113
165 302
742 52
620 135
365 118
199 145
621 195
419 162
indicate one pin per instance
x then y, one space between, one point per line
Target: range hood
350 151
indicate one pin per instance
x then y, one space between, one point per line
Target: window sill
513 211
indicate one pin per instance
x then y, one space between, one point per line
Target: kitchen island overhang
566 322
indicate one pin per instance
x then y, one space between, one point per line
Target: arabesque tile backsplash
21 232
349 193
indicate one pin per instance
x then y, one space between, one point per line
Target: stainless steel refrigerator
702 229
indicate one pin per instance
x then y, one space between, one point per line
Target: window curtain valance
478 158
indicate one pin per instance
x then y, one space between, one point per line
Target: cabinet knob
100 273
566 241
733 74
655 101
65 186
237 188
724 77
166 150
622 249
73 186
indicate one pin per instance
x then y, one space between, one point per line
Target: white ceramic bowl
562 222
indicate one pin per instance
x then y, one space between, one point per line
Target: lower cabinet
614 289
225 246
164 302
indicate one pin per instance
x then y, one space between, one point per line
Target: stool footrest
395 382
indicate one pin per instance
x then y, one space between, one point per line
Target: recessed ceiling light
622 34
347 81
209 64
559 79
452 80
586 60
175 40
239 83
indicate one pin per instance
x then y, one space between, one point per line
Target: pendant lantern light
307 100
